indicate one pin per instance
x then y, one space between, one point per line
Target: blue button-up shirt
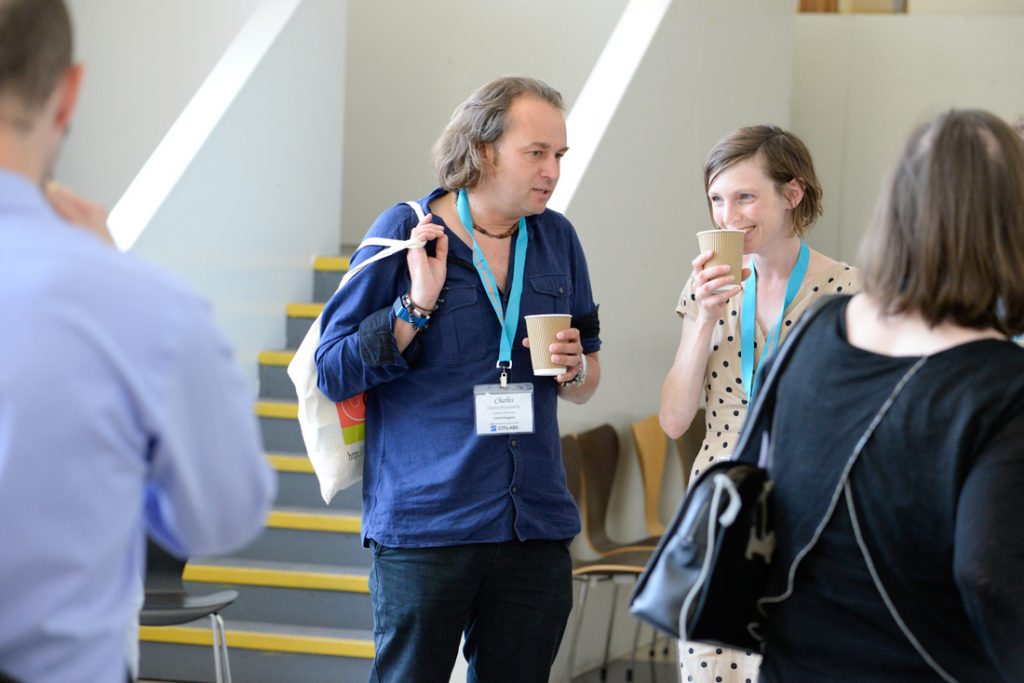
428 478
121 407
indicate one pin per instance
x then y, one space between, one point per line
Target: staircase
303 612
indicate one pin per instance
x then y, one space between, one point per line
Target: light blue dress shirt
121 409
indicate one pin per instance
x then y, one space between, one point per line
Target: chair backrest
651 451
689 444
163 570
599 450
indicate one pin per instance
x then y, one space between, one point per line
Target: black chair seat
167 609
168 603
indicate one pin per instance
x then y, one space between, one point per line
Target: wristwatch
404 310
581 374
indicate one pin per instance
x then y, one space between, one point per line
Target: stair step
287 592
297 486
300 317
259 652
285 410
279 426
276 358
277 574
273 375
327 274
322 535
343 522
338 264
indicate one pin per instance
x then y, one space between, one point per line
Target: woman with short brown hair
759 180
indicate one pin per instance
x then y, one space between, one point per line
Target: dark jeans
512 600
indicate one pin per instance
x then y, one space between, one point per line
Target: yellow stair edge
331 263
254 640
280 409
290 463
311 521
306 310
276 357
276 578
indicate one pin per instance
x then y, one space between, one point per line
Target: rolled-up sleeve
584 310
357 348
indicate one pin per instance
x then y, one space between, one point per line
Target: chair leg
608 632
632 661
216 648
576 629
222 667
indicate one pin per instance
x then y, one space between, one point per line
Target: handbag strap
391 246
765 399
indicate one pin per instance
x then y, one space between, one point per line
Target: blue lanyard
508 319
751 381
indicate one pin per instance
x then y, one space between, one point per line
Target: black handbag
712 563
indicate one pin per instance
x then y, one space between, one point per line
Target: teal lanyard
508 319
751 380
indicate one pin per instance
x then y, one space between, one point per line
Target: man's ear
489 151
67 96
793 191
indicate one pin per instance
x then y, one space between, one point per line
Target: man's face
525 163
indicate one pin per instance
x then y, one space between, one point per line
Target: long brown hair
947 241
482 119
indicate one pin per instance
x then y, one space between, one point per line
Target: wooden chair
651 450
590 460
599 460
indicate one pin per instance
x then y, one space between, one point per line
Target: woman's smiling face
744 198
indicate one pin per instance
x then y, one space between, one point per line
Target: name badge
503 410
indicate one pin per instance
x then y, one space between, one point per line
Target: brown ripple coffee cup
541 330
728 248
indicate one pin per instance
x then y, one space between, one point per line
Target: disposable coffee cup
728 248
541 330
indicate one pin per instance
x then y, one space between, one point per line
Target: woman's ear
793 191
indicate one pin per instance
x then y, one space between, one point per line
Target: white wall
861 83
144 59
261 197
410 63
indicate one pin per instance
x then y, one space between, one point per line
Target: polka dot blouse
723 384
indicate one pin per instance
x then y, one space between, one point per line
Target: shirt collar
18 192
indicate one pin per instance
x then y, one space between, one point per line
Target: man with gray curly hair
467 510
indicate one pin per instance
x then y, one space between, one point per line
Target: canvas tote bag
335 433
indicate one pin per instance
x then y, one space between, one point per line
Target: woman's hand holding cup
713 286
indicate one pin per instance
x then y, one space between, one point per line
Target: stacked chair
591 459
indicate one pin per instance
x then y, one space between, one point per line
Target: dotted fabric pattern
726 409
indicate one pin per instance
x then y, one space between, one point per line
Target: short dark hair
947 240
784 158
482 119
35 51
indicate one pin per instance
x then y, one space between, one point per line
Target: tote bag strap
391 246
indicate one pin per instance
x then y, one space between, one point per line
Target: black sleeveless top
935 496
